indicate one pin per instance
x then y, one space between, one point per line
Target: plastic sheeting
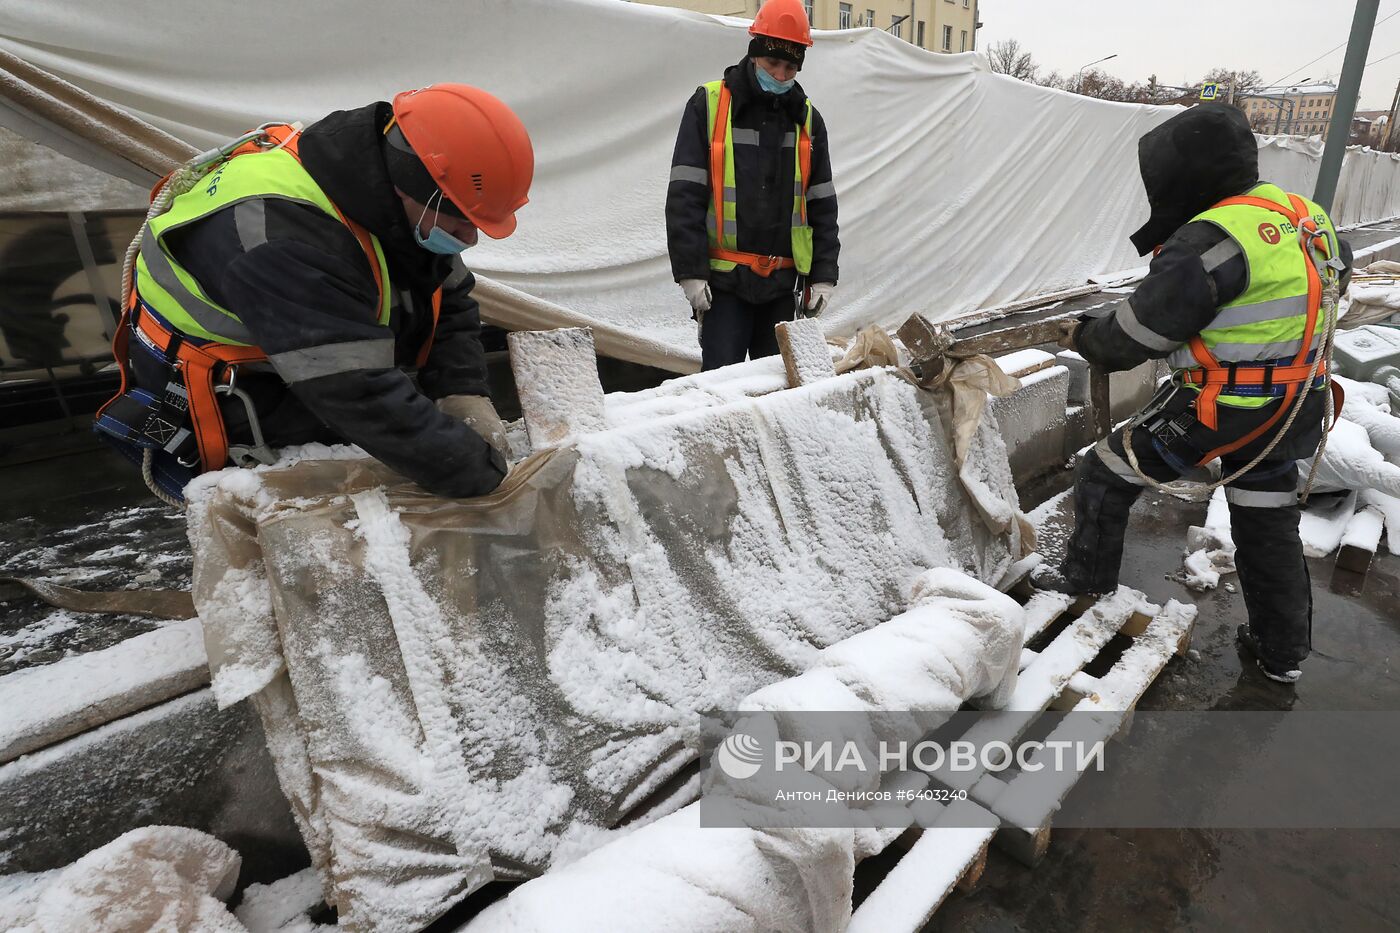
959 189
453 689
960 641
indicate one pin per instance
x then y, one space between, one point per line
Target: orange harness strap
761 265
1292 377
202 366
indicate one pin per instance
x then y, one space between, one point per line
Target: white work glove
697 292
818 298
477 412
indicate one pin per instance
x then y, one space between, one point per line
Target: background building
937 25
1368 128
1305 110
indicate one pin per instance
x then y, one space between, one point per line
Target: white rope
181 180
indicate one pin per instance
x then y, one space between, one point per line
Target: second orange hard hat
475 148
783 19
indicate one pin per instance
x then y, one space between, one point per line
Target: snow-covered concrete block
47 704
556 377
1363 352
184 762
806 354
1032 421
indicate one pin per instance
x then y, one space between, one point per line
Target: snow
924 876
281 907
959 640
556 377
1211 548
1040 515
807 356
156 879
1024 361
45 704
1323 524
1364 529
447 679
16 646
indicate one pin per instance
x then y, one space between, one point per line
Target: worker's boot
1283 672
1094 554
1276 587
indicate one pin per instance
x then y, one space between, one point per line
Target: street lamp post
1079 78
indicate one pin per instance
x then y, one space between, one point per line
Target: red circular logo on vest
1269 234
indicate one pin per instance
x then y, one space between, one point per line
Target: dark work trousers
733 329
1264 515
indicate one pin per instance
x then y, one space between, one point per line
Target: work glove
697 292
818 298
477 412
1068 331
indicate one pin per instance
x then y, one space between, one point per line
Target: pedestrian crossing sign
1210 91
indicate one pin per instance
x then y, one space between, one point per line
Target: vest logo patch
213 187
1269 234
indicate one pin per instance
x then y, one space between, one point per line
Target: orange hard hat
475 148
783 19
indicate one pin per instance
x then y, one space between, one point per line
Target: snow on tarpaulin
453 689
1036 189
960 640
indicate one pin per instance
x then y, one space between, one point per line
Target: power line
1379 60
1329 52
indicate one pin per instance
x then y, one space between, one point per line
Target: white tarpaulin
959 189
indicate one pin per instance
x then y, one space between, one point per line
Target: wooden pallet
940 859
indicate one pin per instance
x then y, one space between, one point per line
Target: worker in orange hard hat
275 301
751 208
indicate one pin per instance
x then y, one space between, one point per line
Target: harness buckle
1230 380
246 454
766 265
1268 382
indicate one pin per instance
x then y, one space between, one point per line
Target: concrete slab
1032 422
182 763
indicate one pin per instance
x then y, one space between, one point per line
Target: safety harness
1213 377
184 424
761 265
1307 367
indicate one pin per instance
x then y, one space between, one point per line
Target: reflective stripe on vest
242 180
1267 321
724 185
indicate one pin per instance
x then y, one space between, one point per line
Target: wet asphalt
1217 880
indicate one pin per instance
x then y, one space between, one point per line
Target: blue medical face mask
771 84
439 240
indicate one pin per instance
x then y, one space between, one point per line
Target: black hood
743 86
344 152
1189 163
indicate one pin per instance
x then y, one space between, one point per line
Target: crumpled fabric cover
453 689
156 879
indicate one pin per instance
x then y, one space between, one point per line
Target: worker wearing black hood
1235 272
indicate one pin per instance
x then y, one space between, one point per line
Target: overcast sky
1181 41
